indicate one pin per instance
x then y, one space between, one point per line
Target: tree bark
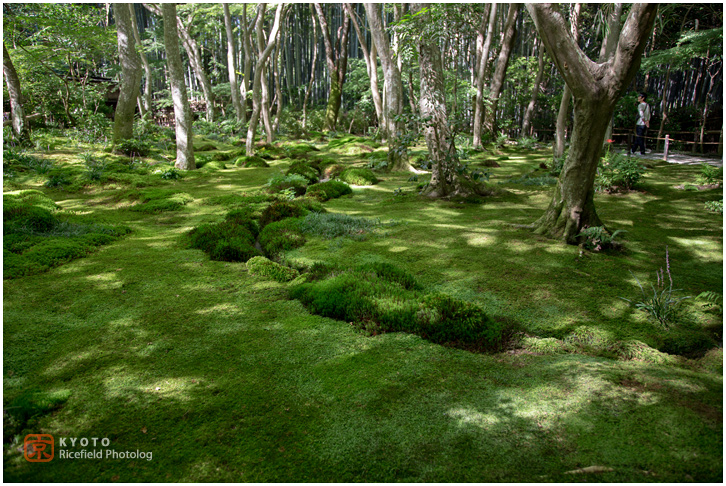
529 112
312 70
337 65
371 63
596 88
564 113
182 112
259 70
231 63
20 126
481 76
393 97
145 106
123 126
500 72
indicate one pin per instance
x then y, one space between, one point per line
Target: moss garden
304 315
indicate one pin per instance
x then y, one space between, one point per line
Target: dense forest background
66 58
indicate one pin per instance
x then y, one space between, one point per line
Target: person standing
642 124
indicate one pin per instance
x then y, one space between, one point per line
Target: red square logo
38 447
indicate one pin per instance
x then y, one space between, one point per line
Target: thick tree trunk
481 76
500 72
145 106
529 112
12 81
596 88
231 64
182 111
123 126
393 91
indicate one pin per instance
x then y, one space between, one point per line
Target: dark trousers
639 139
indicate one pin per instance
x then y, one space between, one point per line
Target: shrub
527 143
280 182
132 147
231 240
332 225
597 238
325 191
715 206
617 171
251 161
266 268
358 176
305 170
710 175
280 210
281 236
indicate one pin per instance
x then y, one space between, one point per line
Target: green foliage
327 190
132 147
22 161
280 210
559 162
692 44
710 175
662 306
279 182
714 206
333 225
94 167
251 161
617 171
281 236
530 180
597 238
232 240
390 273
169 173
711 300
263 267
305 170
358 176
161 200
527 143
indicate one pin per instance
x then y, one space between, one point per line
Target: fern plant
597 238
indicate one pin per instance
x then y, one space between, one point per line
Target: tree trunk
123 126
529 112
247 43
277 61
393 91
447 178
481 77
337 65
370 59
312 70
145 106
182 112
596 88
563 114
20 127
500 72
259 71
231 64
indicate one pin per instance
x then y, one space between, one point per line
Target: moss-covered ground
222 378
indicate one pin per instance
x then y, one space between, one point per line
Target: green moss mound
358 176
327 190
334 225
228 155
375 298
204 147
161 200
304 169
282 182
300 150
212 165
280 210
352 140
251 161
232 240
36 239
281 236
267 268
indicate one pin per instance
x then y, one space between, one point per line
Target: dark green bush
358 176
281 236
327 190
231 240
304 169
280 210
618 172
266 268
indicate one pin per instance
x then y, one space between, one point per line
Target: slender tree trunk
231 64
481 77
370 59
182 112
563 114
123 126
529 112
259 71
337 65
145 105
12 81
312 71
277 61
247 73
596 88
500 72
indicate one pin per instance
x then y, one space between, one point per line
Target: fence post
665 150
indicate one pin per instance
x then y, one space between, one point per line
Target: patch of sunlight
686 386
706 248
452 226
57 367
224 309
106 281
398 249
622 222
74 266
371 188
614 309
478 239
177 388
160 244
468 416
